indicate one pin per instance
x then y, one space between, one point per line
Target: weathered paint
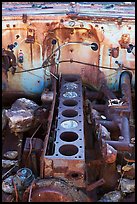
108 31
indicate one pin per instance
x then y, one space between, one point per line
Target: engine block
68 159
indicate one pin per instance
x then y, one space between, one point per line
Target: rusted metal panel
107 33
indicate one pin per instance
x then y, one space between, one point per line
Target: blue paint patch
33 83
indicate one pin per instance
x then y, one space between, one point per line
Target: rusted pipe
124 144
120 145
96 184
125 132
111 125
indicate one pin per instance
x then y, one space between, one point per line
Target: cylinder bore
69 136
70 86
70 103
71 79
69 124
68 150
69 113
70 94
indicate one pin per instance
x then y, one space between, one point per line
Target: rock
113 196
8 163
11 154
20 120
24 104
21 115
127 185
7 185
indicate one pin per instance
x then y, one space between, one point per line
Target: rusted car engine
68 102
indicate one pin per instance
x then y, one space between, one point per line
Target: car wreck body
68 110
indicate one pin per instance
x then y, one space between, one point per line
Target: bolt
121 138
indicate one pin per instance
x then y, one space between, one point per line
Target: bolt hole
17 36
74 175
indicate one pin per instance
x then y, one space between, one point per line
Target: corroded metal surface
54 190
77 60
67 38
68 157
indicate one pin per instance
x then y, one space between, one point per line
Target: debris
127 185
105 134
8 163
113 196
128 170
108 152
128 167
7 185
11 154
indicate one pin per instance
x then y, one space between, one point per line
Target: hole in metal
70 103
71 79
67 124
68 150
69 136
70 86
70 94
69 113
